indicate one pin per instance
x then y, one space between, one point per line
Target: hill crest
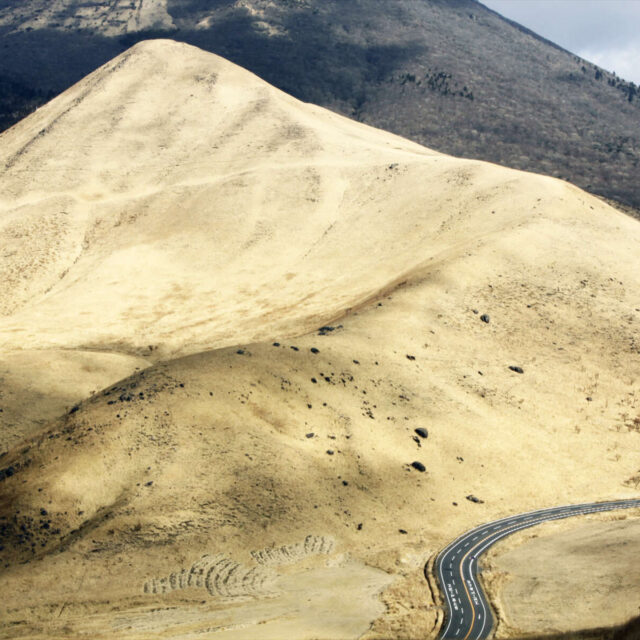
229 321
454 76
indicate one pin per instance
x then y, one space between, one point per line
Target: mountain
451 75
260 361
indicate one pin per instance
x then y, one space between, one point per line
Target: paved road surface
469 616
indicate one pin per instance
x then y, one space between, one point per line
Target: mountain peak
229 321
454 76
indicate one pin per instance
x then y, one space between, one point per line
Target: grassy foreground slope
285 296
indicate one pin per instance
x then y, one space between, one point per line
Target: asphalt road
469 615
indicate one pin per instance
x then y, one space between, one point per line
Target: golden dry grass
170 218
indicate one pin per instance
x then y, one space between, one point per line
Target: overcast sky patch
605 32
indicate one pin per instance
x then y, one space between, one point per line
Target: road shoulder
593 586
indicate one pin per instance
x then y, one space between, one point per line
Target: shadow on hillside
35 66
314 66
51 60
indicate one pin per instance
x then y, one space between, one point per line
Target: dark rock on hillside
450 74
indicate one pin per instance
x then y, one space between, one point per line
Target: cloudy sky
606 32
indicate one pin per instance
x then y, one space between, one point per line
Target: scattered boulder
418 466
310 435
517 369
323 331
410 357
485 318
422 432
472 498
314 350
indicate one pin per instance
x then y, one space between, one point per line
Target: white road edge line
562 512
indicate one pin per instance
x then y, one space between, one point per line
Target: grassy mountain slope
453 76
267 300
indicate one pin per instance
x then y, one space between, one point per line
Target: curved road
469 616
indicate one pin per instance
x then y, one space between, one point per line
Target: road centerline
480 625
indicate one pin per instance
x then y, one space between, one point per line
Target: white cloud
602 31
625 61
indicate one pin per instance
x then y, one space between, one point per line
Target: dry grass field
225 313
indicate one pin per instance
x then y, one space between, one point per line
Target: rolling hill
260 361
